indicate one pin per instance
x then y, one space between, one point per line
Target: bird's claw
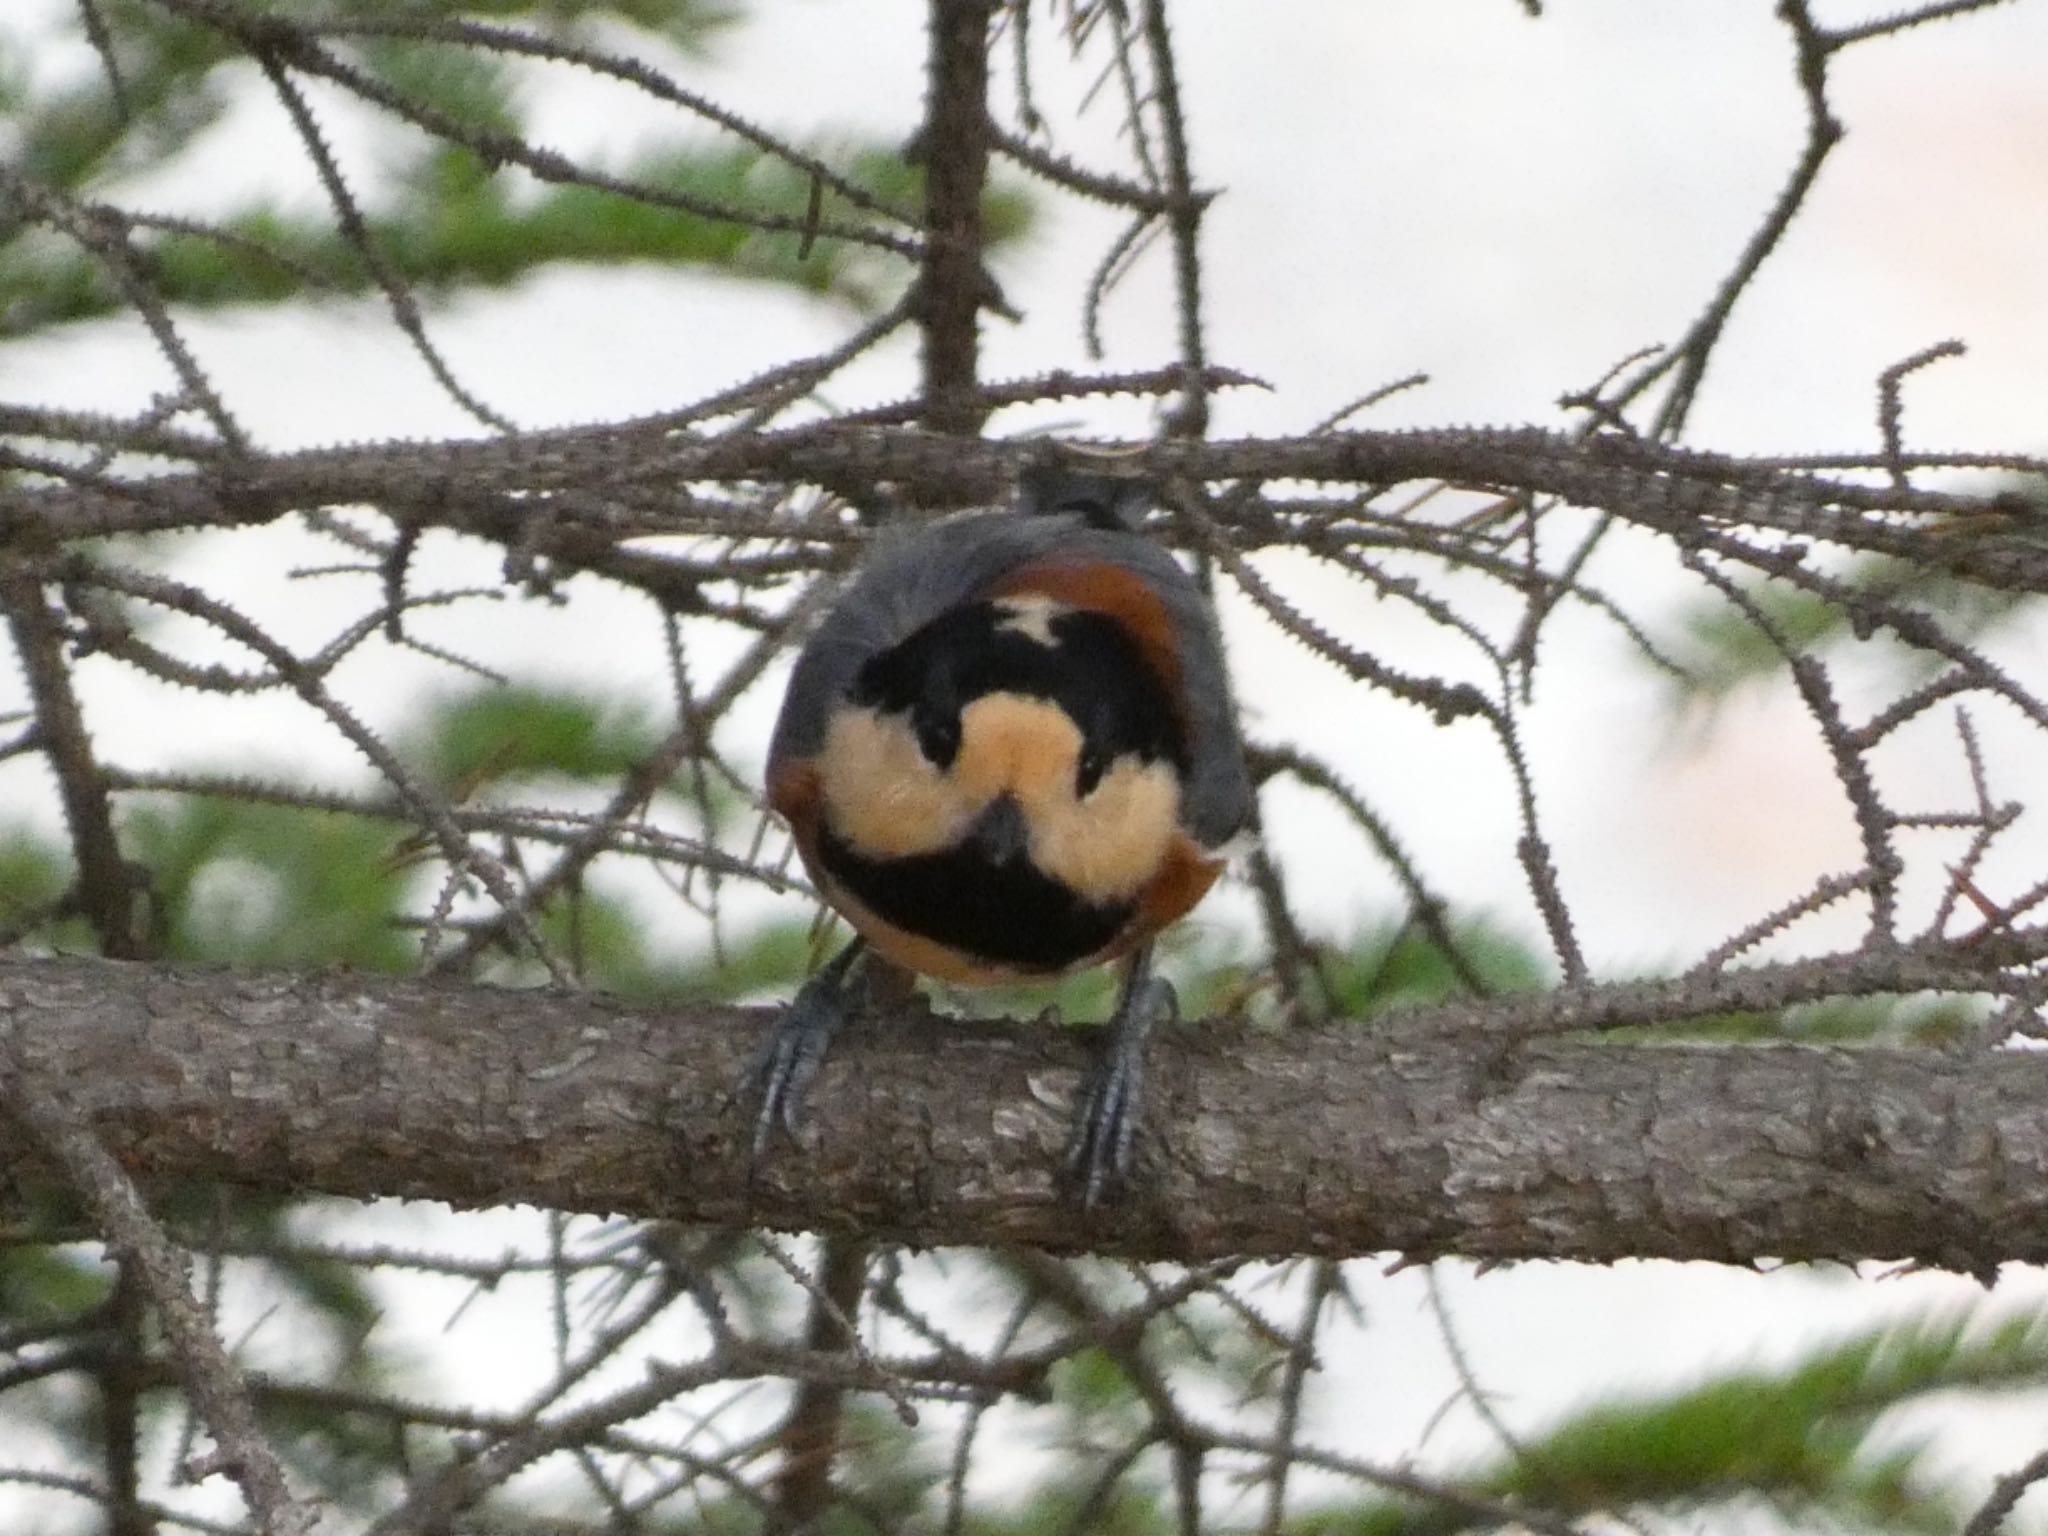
1106 1127
781 1072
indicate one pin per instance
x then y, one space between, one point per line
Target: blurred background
1509 206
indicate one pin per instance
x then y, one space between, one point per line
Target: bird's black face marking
1091 668
1088 772
1008 913
986 891
937 725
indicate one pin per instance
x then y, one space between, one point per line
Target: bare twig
133 1234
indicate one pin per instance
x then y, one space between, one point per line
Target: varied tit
1007 753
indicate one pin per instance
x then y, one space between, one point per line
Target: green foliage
491 735
45 1285
450 226
1382 968
270 885
33 880
1062 1507
1096 1396
691 25
888 1468
1405 967
1723 649
442 217
1800 1437
1934 1021
249 883
762 962
77 133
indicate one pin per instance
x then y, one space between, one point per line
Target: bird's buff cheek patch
1107 847
881 794
886 800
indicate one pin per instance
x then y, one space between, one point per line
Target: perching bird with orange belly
1008 753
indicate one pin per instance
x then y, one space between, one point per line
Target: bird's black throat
1007 914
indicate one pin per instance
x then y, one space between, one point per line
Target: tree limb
580 481
1432 1131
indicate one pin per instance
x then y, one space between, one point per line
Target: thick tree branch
1429 1132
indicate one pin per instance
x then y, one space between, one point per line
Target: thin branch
107 239
355 229
1886 26
108 892
463 32
1183 219
1890 412
262 34
133 1235
1991 1514
1325 1280
102 42
1690 357
463 856
954 286
811 1430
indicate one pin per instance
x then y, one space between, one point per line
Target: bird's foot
1099 1151
781 1072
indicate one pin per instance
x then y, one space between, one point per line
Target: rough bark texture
1409 1136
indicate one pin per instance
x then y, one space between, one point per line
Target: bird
1007 753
